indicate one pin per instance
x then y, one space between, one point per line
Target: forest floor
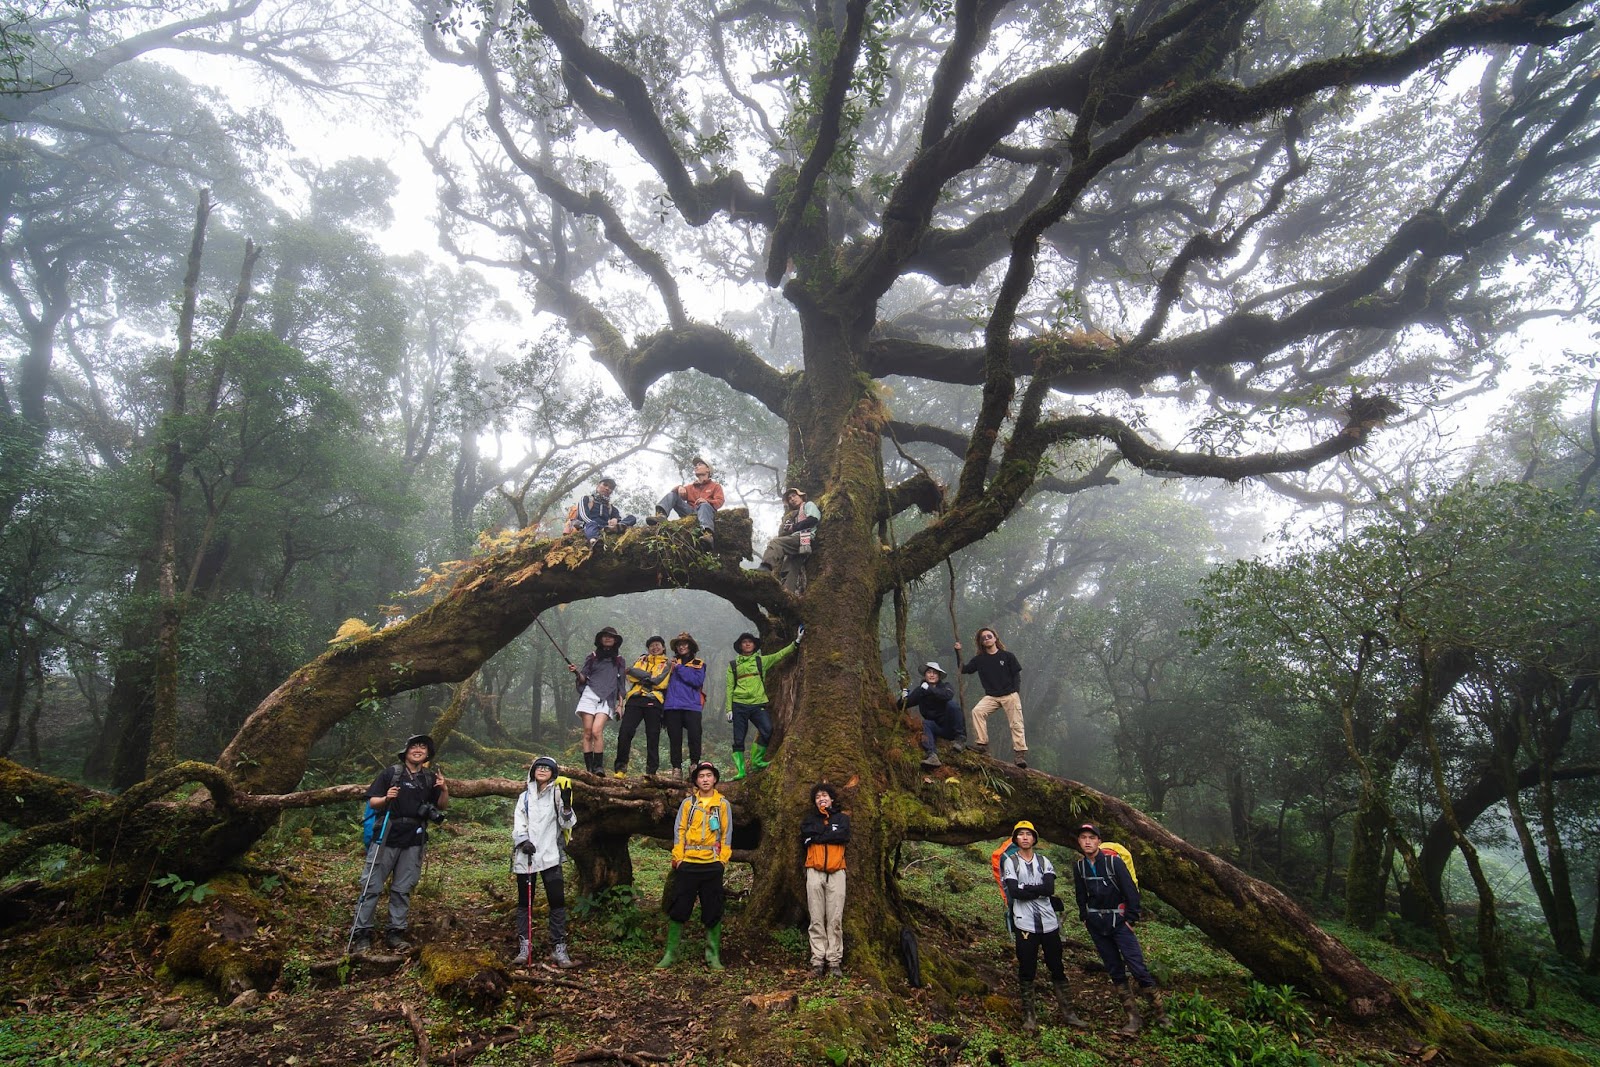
84 985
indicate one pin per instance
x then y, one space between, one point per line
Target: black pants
1028 955
703 880
681 721
636 711
555 893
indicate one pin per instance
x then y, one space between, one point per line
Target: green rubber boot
714 947
738 766
758 758
674 935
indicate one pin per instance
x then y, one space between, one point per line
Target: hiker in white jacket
542 813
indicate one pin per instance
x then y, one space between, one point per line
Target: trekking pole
563 655
367 884
528 910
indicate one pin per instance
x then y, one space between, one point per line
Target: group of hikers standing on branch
658 691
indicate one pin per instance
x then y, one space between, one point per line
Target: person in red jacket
702 498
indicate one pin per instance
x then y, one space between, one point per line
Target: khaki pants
825 901
1011 704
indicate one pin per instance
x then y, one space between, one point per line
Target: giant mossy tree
1244 207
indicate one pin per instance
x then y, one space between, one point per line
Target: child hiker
543 811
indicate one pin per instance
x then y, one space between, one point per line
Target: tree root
414 1020
604 1055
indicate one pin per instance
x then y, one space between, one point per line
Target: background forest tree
990 280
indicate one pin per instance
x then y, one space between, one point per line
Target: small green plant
183 890
1231 1042
616 914
296 973
792 940
1279 1005
270 882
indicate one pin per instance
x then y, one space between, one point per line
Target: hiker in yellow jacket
702 842
647 685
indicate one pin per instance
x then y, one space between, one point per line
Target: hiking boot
758 757
524 953
1022 760
930 761
714 947
1134 1021
656 519
708 540
559 957
1155 1006
620 772
1064 1006
671 956
738 766
958 745
1030 1017
361 943
981 748
395 941
677 773
818 970
835 971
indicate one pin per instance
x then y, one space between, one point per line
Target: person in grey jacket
542 817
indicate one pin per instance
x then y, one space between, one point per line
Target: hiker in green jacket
747 696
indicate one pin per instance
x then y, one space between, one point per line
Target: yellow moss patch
470 977
221 940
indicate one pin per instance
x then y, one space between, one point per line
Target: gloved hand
905 694
563 783
730 714
800 633
526 848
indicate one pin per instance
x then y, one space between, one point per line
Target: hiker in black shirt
1001 675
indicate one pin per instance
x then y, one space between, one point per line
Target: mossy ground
87 985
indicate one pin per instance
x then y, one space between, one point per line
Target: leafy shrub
615 915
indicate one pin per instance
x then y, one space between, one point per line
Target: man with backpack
747 696
598 515
1108 904
941 713
404 798
647 684
702 844
1030 885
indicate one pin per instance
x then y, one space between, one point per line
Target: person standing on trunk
543 815
647 684
684 704
1000 673
702 843
406 796
747 696
600 683
824 832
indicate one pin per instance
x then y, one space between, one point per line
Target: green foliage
614 914
1227 1041
1280 1005
182 889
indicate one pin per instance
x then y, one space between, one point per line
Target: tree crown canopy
1266 212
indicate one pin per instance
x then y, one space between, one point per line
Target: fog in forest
1238 370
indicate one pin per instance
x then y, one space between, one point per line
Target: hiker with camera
405 798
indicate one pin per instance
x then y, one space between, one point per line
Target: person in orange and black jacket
824 832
